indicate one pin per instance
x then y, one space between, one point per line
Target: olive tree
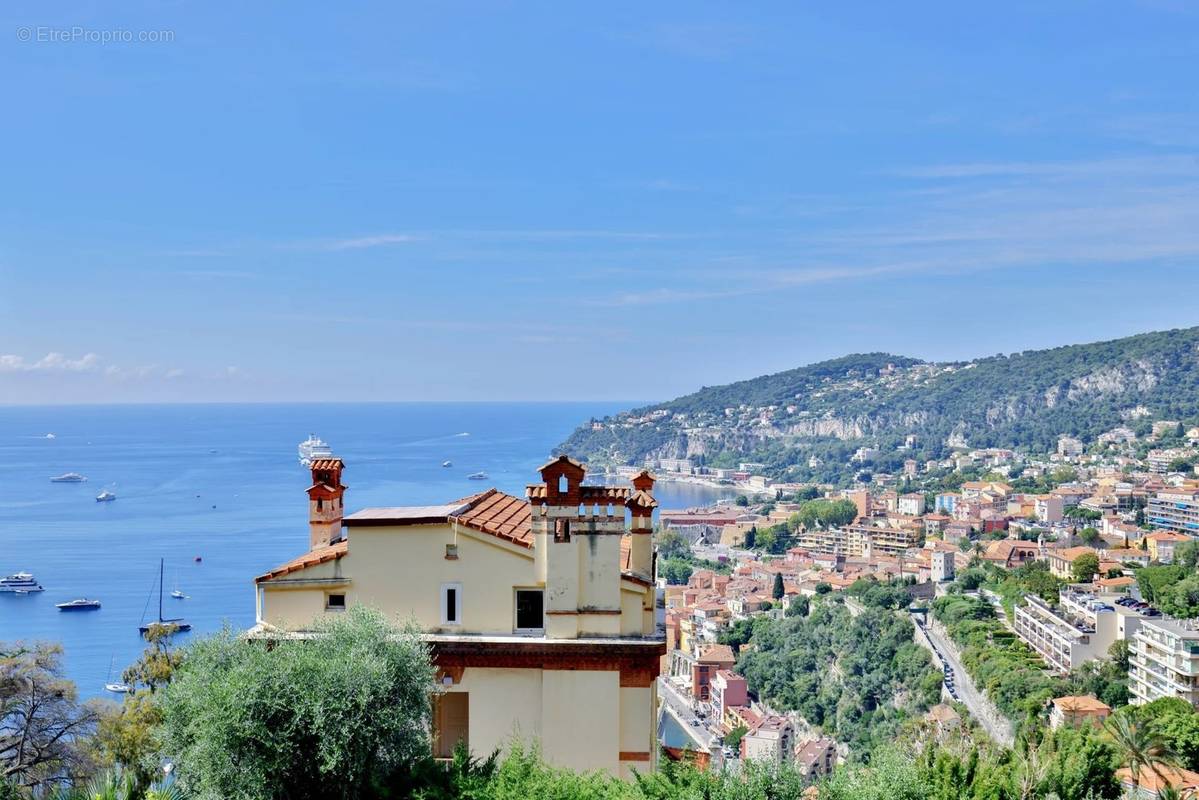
325 716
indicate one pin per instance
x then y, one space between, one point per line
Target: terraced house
541 611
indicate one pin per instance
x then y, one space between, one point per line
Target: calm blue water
241 508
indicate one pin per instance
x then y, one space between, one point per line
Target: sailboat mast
160 589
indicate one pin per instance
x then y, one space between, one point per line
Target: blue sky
303 201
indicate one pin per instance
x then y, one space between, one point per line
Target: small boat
20 583
477 476
175 625
68 477
447 463
114 687
81 604
105 497
197 559
51 436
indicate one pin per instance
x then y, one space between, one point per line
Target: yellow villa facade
541 612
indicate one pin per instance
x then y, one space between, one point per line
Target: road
680 707
996 726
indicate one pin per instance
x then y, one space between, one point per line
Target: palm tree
1139 745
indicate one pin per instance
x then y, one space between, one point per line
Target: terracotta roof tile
320 555
500 515
326 463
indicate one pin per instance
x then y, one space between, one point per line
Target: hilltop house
541 612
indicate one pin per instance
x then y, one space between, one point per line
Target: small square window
335 602
530 610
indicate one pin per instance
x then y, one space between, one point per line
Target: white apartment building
1061 644
1081 628
1164 661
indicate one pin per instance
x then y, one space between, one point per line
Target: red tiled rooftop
498 514
312 558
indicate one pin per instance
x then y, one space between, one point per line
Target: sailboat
178 623
116 688
177 593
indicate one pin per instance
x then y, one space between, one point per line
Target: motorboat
20 583
105 497
69 477
477 476
80 604
447 463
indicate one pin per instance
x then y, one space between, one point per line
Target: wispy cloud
51 362
364 242
969 217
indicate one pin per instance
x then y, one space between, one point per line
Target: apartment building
1059 642
1164 661
772 739
541 613
1175 510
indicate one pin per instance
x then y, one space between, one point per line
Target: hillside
826 411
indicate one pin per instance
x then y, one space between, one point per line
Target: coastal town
1100 519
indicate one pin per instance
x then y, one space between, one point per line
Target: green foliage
827 513
1177 723
799 606
733 738
318 718
778 590
879 595
676 571
875 682
1085 567
1155 581
672 544
1008 671
890 775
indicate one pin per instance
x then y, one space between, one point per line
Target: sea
215 493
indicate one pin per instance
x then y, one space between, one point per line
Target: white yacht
477 476
105 497
312 448
21 583
69 477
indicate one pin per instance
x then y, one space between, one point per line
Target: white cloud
51 362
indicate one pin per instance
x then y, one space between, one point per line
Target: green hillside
827 410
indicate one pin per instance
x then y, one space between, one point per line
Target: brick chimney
325 507
641 505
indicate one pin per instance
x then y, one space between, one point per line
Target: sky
276 201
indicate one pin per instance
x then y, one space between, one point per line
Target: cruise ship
313 447
21 582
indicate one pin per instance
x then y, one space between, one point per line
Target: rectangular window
451 604
530 610
335 602
451 722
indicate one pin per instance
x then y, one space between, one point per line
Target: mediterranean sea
223 483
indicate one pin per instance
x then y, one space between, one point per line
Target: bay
222 483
